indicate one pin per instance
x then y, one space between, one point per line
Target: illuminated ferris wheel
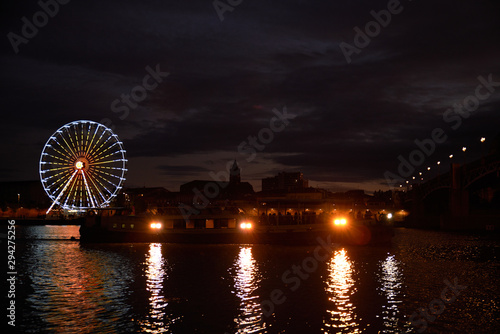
82 166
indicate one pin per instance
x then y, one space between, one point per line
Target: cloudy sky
349 118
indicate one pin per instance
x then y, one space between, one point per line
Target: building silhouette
285 182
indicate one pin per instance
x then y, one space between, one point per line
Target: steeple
234 174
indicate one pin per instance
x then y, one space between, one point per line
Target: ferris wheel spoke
78 138
67 135
106 162
54 169
71 190
73 145
98 176
56 175
87 143
98 149
98 156
91 141
59 182
102 140
67 153
82 138
97 189
109 167
113 157
112 175
55 157
64 154
91 151
62 191
88 189
67 147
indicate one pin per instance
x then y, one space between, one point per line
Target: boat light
245 226
389 215
155 225
340 221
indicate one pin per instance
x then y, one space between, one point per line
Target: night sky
348 121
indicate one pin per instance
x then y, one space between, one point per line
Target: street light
482 151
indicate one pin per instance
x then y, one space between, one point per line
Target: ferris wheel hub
82 163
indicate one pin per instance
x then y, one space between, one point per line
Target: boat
225 226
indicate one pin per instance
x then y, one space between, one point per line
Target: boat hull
355 234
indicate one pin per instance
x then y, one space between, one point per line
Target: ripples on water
66 287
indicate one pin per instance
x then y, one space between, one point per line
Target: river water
67 287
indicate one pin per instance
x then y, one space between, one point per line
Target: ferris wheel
82 166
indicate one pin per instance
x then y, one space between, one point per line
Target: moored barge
225 226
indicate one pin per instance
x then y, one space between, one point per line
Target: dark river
426 281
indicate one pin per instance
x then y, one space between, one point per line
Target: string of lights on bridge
419 177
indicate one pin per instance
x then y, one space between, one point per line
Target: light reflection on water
156 320
246 280
390 280
341 312
77 290
68 287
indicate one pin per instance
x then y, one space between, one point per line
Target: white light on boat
389 215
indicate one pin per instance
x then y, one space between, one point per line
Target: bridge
448 195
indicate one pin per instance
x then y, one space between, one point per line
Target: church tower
234 174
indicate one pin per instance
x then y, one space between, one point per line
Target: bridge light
428 168
414 177
483 139
464 148
439 162
419 173
451 156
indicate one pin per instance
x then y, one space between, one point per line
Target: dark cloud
181 170
351 121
